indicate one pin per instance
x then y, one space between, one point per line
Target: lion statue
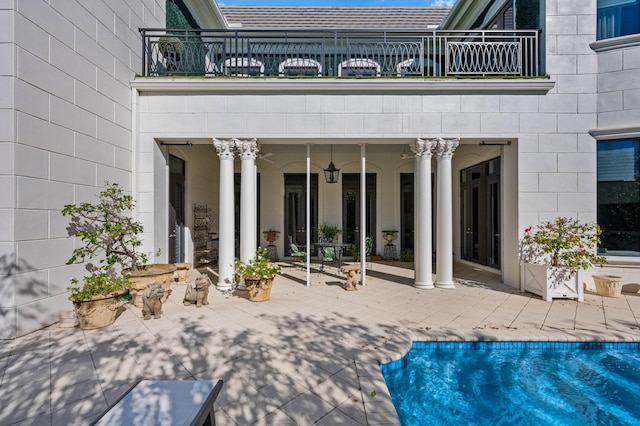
198 295
151 301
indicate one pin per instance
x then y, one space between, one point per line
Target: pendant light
331 174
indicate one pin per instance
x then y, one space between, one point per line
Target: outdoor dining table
337 249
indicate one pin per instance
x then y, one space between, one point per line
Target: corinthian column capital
445 147
248 149
423 147
224 148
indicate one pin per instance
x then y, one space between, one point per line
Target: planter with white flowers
554 255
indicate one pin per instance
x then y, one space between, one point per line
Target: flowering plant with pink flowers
564 243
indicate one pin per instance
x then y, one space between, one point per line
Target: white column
444 235
248 151
363 215
226 221
423 247
308 216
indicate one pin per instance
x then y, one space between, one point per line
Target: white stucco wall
65 68
618 84
545 142
619 116
548 171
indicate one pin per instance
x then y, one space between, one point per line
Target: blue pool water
516 383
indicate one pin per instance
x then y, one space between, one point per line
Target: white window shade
618 165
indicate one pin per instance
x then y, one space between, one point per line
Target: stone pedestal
272 253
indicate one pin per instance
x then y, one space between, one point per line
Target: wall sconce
331 174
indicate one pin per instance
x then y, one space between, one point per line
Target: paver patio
308 356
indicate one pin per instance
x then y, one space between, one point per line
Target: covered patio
310 355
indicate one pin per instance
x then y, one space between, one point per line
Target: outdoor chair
300 67
243 67
297 253
368 245
359 67
327 255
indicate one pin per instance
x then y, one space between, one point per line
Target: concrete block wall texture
65 128
618 103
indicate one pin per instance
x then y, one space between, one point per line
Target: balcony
362 54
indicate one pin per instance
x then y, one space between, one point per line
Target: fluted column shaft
444 150
226 224
248 150
423 247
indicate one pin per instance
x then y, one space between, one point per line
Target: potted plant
108 235
172 49
555 253
328 232
406 255
97 299
112 235
258 275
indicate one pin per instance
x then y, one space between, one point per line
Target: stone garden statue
198 295
151 303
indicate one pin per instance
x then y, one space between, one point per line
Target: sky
397 3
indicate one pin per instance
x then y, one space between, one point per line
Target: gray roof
388 18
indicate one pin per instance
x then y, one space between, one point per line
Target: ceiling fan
265 156
404 155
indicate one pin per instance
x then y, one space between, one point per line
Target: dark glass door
351 213
407 202
237 179
295 208
176 209
480 213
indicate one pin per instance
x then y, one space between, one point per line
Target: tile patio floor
308 356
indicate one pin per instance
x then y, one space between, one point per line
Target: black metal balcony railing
339 54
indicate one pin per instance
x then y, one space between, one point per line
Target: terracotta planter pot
97 312
258 290
159 272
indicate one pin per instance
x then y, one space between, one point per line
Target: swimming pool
524 383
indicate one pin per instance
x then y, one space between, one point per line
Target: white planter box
538 279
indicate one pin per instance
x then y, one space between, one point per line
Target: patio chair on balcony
361 67
411 67
210 67
300 67
243 67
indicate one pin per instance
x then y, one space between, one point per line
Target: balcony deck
336 54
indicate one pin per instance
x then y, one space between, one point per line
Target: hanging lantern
331 173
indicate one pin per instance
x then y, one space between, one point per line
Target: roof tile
283 17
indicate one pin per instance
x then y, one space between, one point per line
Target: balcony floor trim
332 85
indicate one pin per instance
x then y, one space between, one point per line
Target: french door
176 209
237 179
295 210
351 226
480 213
407 202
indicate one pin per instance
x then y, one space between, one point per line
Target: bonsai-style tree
108 233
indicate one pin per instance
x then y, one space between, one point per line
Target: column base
223 287
445 285
423 286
